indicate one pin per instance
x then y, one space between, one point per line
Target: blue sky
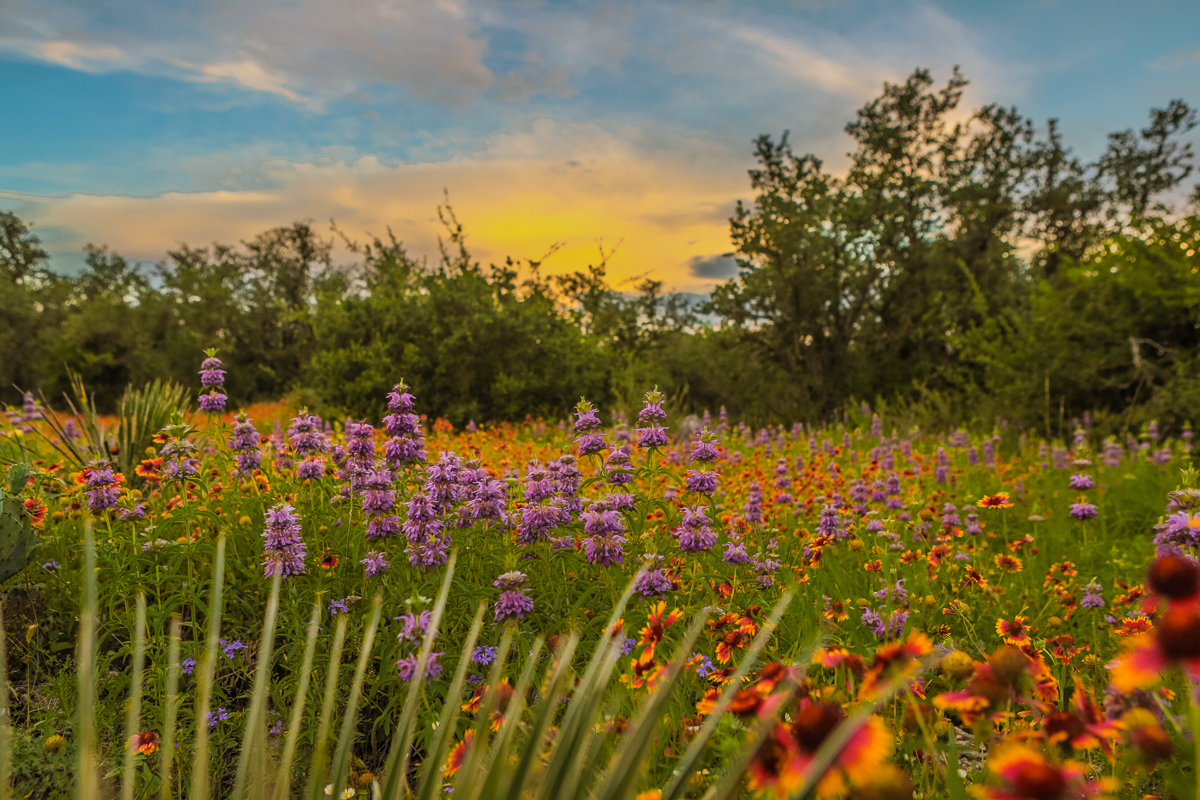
143 123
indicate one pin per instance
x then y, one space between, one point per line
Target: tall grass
518 759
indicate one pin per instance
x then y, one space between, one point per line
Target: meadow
621 604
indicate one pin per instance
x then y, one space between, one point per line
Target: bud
1054 623
54 743
958 665
856 545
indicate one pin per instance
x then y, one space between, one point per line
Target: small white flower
347 794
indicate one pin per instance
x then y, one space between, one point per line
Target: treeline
957 272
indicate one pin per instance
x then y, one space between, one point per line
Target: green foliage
17 537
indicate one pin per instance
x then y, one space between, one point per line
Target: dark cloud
715 267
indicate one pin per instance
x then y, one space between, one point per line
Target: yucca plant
141 413
519 757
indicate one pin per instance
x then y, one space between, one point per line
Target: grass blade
167 751
496 769
341 757
87 782
5 721
624 770
331 684
262 675
397 763
471 773
134 714
283 779
200 757
450 712
687 762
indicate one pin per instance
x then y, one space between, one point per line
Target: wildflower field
268 604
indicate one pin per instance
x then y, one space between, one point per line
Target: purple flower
585 417
1178 530
735 552
50 565
754 504
604 550
306 435
188 665
212 402
283 548
703 449
244 443
212 377
619 466
102 492
653 436
415 625
1091 596
701 481
1082 511
764 569
311 469
213 717
375 564
137 512
653 582
229 648
483 655
695 532
407 667
339 607
1082 482
539 519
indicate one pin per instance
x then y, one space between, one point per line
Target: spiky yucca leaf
142 413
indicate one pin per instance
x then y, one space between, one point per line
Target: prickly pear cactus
17 538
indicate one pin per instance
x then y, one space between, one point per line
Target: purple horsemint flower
212 378
754 514
950 516
884 628
973 526
830 523
695 531
513 604
407 667
701 481
587 426
379 501
433 551
1092 597
619 466
310 469
444 483
283 548
651 415
306 435
704 449
567 479
653 582
359 457
538 485
603 529
487 499
1179 530
243 443
539 519
375 564
102 491
1082 482
735 552
406 444
764 569
1082 511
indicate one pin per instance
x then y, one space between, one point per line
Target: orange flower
1015 633
150 469
330 561
895 661
1025 774
37 511
144 743
1173 641
458 754
1008 563
657 624
998 500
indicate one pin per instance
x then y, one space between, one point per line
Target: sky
627 126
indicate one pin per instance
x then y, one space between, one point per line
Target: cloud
1176 60
547 182
719 267
309 51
